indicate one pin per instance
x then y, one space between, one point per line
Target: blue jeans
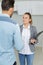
29 59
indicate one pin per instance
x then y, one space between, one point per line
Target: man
10 37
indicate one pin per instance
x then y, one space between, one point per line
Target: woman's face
26 19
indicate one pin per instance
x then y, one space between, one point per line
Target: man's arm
17 38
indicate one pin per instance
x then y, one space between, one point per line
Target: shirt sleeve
17 38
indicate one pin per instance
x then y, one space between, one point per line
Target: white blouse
25 38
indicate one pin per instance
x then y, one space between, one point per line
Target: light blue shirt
10 38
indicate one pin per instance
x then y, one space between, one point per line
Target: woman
29 39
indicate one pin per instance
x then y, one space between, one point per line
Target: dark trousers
14 63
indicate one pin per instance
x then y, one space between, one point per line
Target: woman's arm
34 39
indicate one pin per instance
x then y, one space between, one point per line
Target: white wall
34 7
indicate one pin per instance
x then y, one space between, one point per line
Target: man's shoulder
7 19
13 22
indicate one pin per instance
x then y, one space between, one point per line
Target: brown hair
29 16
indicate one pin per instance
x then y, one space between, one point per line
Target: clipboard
36 37
38 34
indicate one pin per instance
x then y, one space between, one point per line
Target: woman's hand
33 41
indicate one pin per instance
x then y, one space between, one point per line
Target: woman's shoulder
33 26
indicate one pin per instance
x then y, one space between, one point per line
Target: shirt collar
5 15
27 27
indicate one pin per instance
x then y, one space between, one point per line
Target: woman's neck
26 25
